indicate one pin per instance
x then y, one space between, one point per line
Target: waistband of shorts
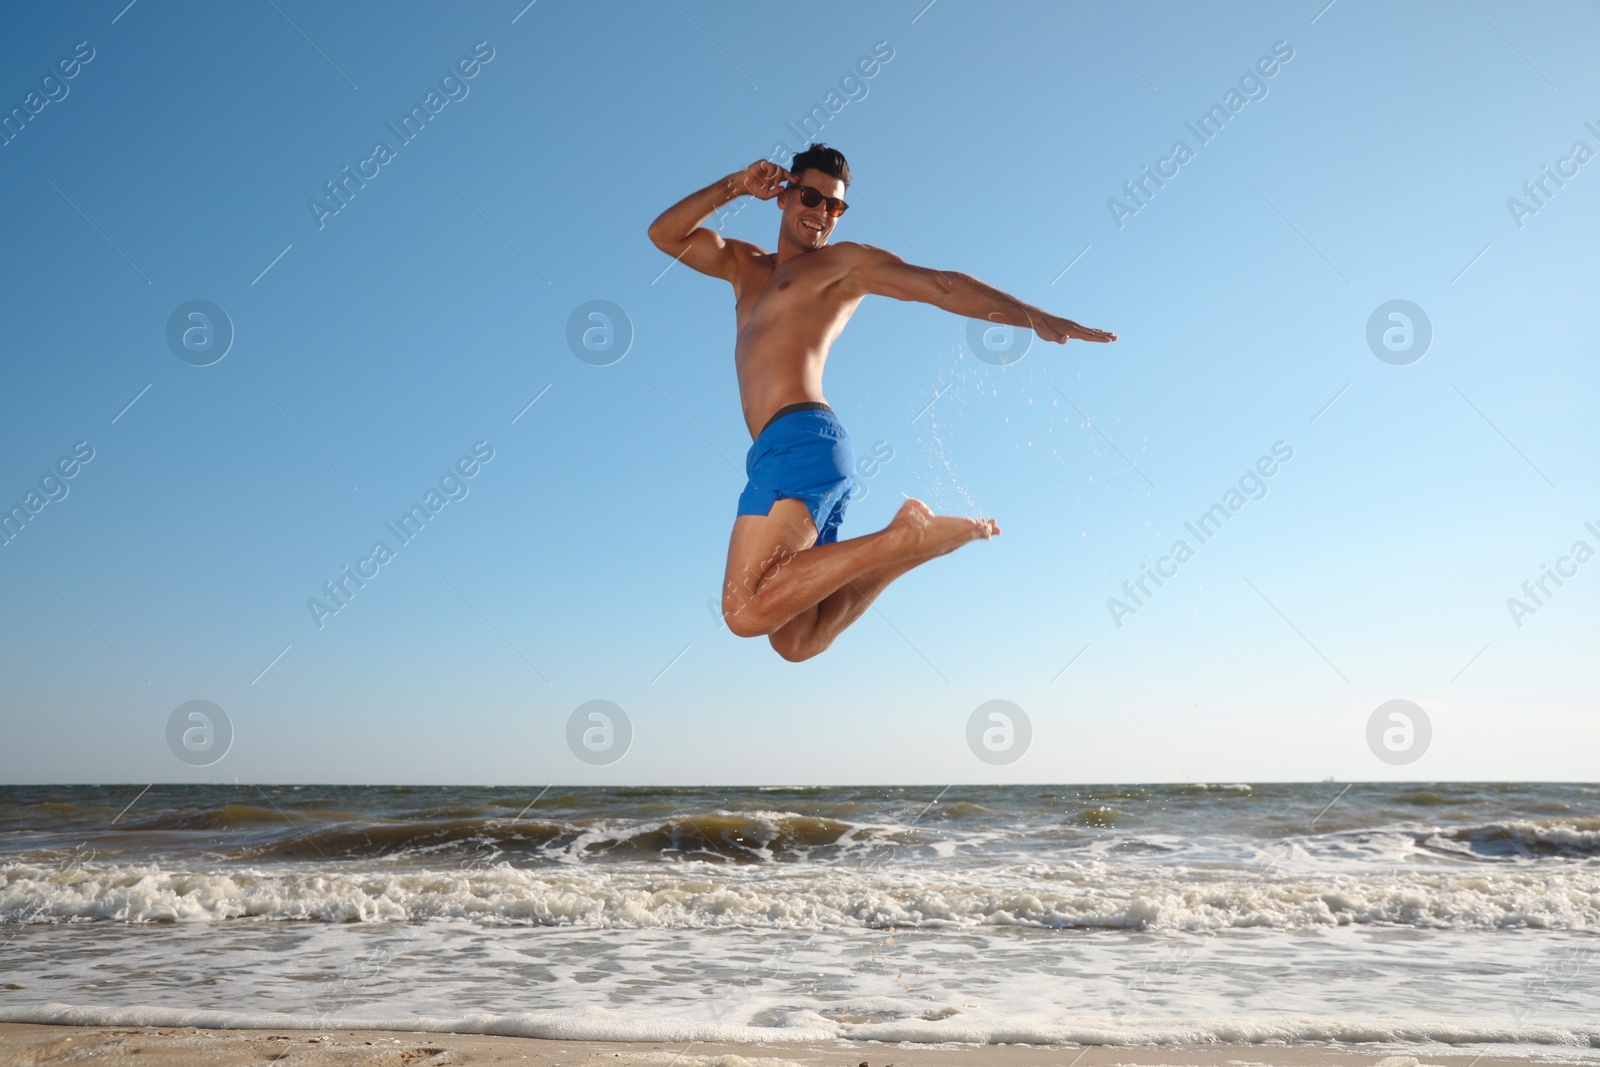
790 409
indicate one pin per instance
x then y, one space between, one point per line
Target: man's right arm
680 231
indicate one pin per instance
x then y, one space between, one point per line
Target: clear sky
375 346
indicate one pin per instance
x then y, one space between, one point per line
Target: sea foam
700 895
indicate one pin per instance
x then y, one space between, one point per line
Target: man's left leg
809 599
780 581
813 629
776 570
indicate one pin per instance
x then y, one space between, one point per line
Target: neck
788 250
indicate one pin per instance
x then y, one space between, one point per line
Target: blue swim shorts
803 454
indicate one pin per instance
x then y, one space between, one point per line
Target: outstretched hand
763 179
1060 331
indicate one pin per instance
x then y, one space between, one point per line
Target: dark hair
819 156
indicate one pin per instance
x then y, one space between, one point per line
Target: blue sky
377 346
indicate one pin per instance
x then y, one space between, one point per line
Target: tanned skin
791 306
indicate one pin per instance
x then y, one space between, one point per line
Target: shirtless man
788 577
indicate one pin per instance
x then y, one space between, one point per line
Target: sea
1415 916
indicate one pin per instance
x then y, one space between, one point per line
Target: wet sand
28 1045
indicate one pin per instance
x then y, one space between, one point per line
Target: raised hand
763 179
1056 329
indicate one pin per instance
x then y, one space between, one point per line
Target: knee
749 616
796 649
744 620
744 626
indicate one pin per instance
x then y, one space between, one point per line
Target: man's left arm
881 272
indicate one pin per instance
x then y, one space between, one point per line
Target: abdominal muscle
787 323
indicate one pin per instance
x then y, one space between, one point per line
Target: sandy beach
27 1045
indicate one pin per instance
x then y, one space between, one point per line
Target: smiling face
808 228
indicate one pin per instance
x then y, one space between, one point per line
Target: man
788 577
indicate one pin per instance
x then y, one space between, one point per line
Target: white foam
700 895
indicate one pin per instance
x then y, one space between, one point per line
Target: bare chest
800 292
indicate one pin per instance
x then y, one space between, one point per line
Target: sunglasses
812 197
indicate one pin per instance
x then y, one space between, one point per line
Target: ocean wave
786 836
697 896
1104 823
718 836
1571 838
952 1025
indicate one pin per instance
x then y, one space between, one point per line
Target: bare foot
928 535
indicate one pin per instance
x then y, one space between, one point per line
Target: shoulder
749 265
856 252
746 264
745 255
859 263
745 248
870 269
